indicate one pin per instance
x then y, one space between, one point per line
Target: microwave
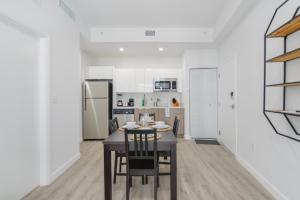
165 85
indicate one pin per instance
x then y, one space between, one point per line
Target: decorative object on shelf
284 32
175 102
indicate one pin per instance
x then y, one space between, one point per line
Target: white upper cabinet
149 78
141 80
99 72
124 80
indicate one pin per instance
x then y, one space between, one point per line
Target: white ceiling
150 13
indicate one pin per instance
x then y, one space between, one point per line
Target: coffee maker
131 102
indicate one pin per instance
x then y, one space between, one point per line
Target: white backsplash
165 98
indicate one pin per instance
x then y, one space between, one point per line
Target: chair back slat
135 145
176 126
141 144
113 125
146 146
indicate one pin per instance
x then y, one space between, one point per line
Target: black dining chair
113 127
142 157
176 126
151 115
166 154
120 157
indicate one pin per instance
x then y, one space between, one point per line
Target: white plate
131 127
161 126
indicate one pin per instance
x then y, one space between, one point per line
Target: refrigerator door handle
85 97
85 90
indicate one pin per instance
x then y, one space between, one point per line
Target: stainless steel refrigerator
97 109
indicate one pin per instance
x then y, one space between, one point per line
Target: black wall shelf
284 31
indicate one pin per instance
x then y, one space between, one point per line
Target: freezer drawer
95 119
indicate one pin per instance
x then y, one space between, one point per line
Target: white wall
19 115
273 159
47 19
194 59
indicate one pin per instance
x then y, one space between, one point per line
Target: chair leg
146 180
157 177
127 187
143 180
165 157
155 186
115 168
130 181
120 165
158 180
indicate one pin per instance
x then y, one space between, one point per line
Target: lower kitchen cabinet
160 116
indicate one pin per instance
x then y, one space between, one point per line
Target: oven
165 85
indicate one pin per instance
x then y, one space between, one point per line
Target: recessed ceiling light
160 49
121 49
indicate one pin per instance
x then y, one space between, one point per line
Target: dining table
116 142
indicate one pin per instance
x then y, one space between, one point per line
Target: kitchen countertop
146 107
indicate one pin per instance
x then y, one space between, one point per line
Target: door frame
189 96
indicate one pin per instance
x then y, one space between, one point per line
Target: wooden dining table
116 142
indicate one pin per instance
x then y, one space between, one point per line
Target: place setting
160 126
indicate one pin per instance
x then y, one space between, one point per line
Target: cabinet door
181 124
149 79
139 80
161 114
100 72
159 73
124 80
170 73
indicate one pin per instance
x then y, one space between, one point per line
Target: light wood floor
204 172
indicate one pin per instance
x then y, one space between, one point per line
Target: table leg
173 172
107 173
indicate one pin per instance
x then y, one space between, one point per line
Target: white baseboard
262 180
58 172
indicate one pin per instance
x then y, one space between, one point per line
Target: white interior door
203 103
19 113
227 114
